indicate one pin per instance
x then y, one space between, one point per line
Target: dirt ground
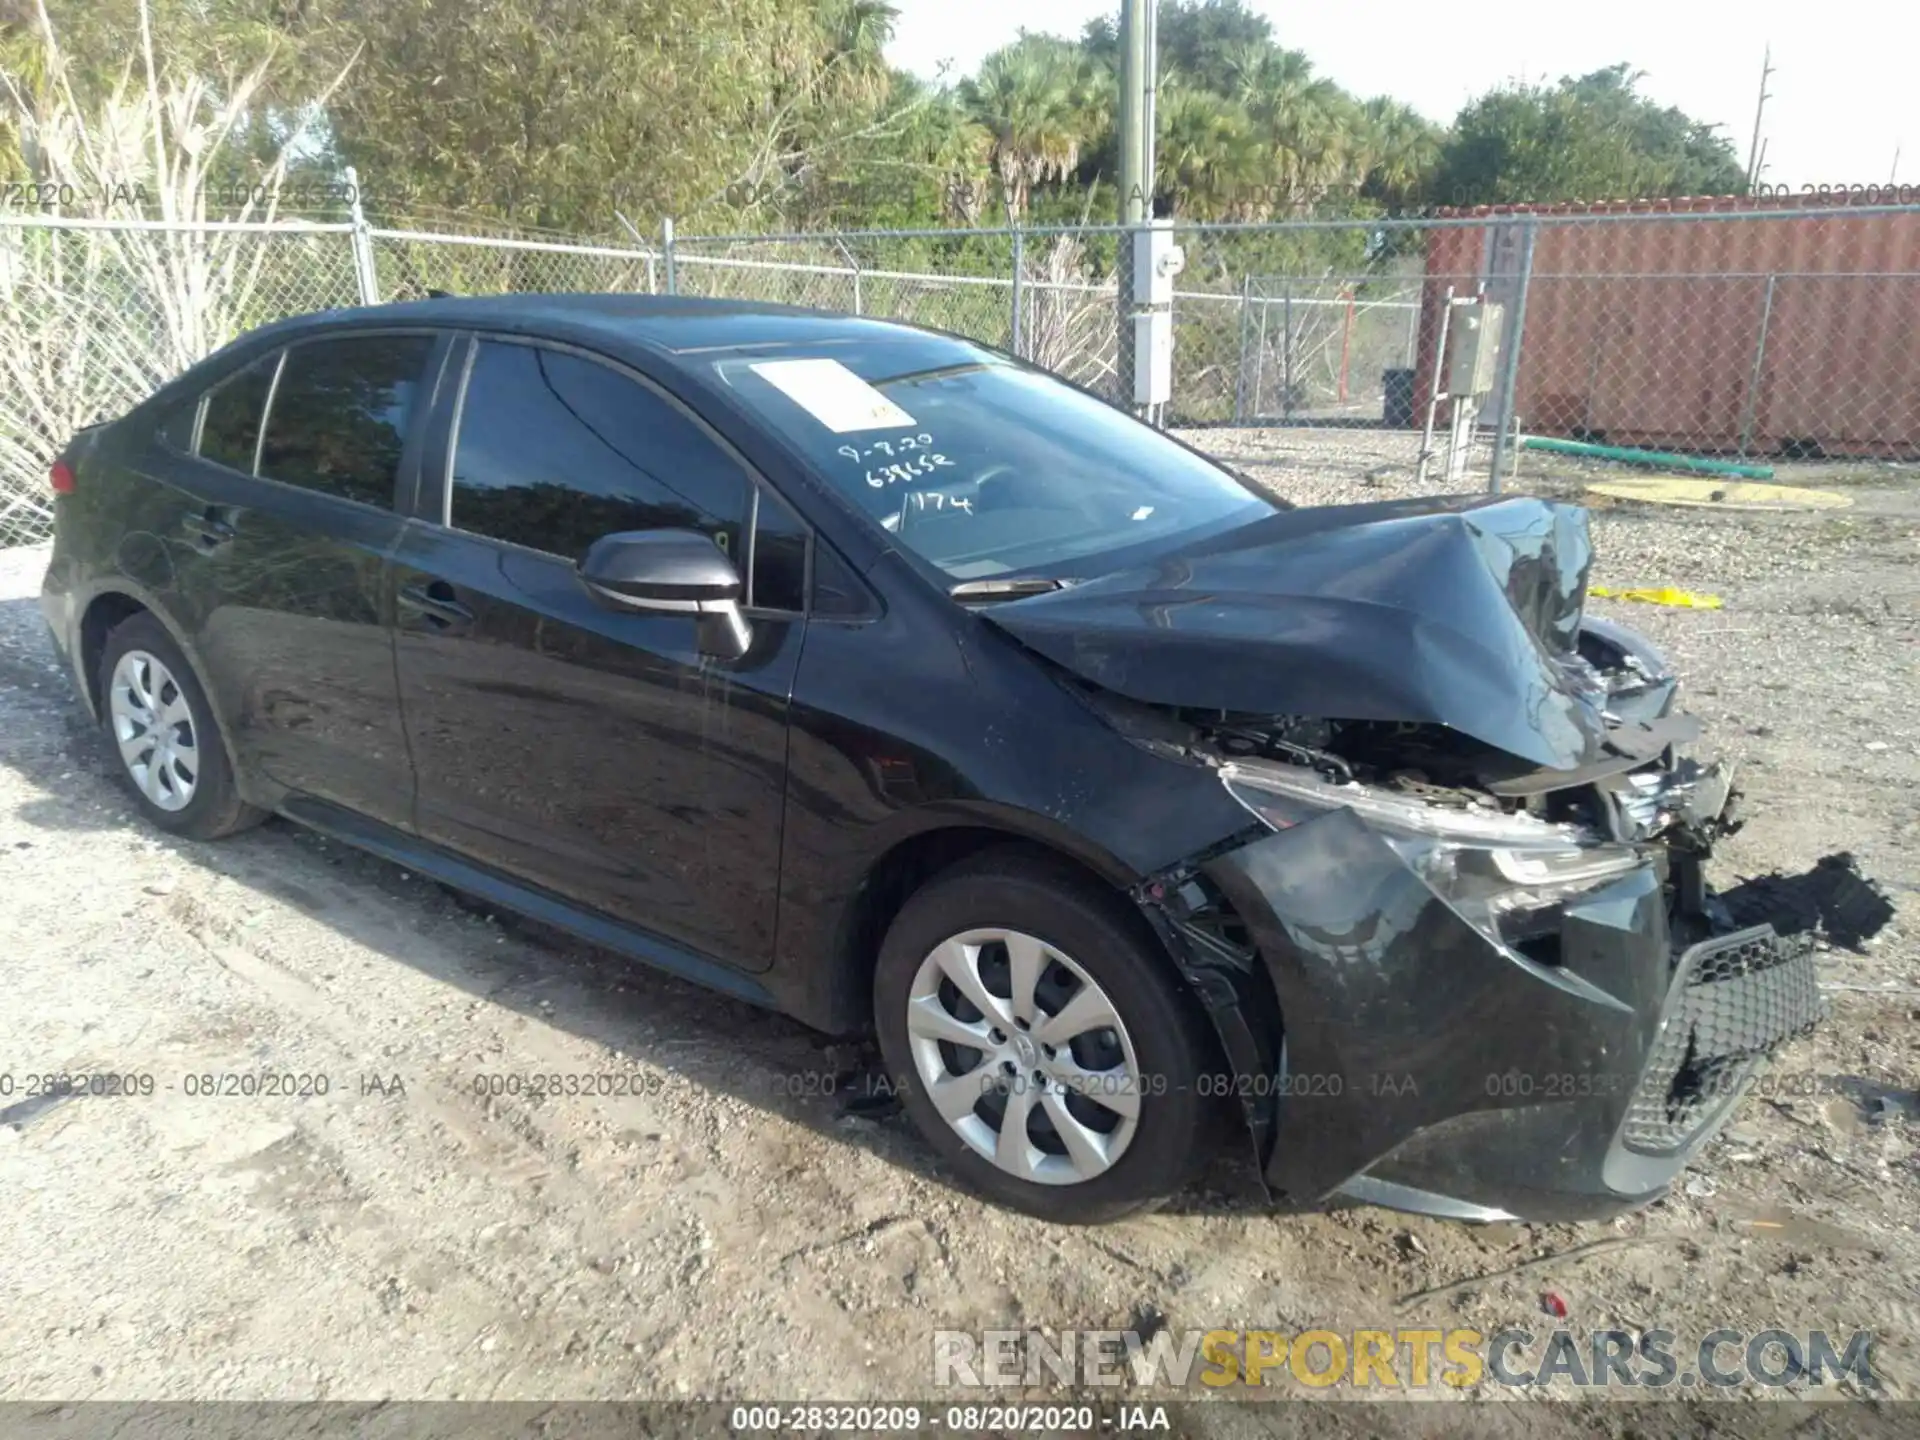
727 1230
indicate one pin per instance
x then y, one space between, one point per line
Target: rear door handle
207 529
434 602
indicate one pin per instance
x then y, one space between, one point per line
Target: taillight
61 476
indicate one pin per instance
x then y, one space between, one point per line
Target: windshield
979 465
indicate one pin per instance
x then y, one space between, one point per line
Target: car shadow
833 1086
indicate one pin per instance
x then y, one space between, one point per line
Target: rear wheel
170 747
1041 1043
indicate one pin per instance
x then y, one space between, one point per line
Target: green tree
1205 152
558 113
945 144
783 114
1398 149
1038 100
1197 38
1309 123
856 33
928 165
1590 138
549 113
82 52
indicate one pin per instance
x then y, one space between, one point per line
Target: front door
595 753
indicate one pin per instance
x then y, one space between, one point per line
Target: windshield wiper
933 372
1013 589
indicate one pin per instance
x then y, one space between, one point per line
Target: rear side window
556 450
232 426
341 413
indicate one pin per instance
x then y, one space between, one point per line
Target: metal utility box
1153 357
1473 360
1156 260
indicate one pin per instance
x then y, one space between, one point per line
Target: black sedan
875 677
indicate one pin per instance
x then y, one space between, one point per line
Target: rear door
596 753
286 517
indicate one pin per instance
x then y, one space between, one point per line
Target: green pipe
1644 457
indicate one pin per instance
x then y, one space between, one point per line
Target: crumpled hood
1459 611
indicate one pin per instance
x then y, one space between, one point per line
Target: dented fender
1235 990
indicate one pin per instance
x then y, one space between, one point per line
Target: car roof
663 324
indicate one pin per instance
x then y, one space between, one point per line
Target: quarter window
341 413
231 430
779 556
556 450
175 431
835 591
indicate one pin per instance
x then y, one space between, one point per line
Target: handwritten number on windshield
892 449
910 469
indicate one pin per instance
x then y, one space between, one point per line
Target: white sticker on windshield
833 395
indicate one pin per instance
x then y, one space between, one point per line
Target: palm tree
1309 122
1206 155
1399 148
1034 98
942 136
856 33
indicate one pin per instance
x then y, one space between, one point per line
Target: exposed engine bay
1647 793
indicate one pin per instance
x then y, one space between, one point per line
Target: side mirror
672 572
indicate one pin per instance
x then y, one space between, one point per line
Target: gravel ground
727 1230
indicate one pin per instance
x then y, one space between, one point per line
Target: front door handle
434 602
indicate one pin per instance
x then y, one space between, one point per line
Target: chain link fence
1047 295
410 265
1721 337
96 316
1711 337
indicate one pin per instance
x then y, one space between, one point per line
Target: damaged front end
1494 998
1465 958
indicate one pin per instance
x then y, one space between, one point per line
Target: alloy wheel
1024 1055
154 727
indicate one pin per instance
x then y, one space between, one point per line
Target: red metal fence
1705 326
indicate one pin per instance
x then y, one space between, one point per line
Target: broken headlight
1500 871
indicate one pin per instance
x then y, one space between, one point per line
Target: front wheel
1041 1043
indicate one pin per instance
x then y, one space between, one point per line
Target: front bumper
1427 1068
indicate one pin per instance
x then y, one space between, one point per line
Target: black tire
215 808
1022 889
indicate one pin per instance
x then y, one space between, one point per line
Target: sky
1845 89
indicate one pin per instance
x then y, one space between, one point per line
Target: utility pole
1755 156
1136 111
1136 168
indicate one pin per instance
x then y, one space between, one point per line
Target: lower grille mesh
1735 1000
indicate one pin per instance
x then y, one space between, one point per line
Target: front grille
1734 1000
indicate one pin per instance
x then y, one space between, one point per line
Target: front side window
231 430
341 413
982 466
556 450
